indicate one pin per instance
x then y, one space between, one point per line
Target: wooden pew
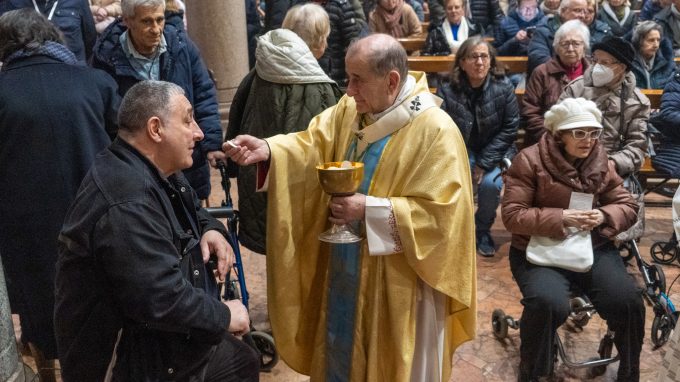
437 64
411 44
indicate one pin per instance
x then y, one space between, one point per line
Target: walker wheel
661 330
499 324
625 252
265 345
578 317
663 252
658 278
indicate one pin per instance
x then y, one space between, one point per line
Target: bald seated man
395 305
136 299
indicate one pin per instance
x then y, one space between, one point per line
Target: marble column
218 27
10 369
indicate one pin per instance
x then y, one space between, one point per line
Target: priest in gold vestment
395 306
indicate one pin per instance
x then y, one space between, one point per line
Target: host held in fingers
393 307
136 299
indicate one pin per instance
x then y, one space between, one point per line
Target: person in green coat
281 95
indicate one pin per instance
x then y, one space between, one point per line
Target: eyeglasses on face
475 57
566 44
583 134
594 60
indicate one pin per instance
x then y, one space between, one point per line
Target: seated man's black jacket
126 262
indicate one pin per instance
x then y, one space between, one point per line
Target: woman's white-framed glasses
583 134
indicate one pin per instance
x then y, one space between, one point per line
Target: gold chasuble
425 173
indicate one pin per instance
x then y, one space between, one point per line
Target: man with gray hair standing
136 298
142 46
392 308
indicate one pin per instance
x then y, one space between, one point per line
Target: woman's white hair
573 26
572 113
309 21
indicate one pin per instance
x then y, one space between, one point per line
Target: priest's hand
246 149
346 209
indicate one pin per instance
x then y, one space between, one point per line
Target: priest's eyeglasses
583 134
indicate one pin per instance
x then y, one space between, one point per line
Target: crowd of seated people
602 51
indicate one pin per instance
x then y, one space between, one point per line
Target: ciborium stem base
339 234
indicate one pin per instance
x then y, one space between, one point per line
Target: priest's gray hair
384 54
143 101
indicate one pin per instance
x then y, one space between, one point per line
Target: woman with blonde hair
281 95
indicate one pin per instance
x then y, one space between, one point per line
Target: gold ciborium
340 179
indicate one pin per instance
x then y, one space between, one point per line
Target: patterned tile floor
485 358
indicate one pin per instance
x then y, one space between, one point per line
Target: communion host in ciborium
393 307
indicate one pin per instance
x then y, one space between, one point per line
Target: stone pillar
10 368
218 27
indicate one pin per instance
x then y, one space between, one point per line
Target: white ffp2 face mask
602 75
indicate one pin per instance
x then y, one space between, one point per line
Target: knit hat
573 113
617 47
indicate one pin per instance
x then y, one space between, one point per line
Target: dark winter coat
127 248
649 9
505 42
294 93
276 12
616 28
543 89
664 18
667 119
541 44
180 64
54 119
539 185
72 17
436 44
496 113
346 26
663 69
486 13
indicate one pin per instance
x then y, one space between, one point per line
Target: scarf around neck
392 18
49 48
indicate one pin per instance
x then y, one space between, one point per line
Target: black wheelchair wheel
663 252
499 324
265 345
661 329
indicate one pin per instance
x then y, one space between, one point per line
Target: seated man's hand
214 156
213 242
246 149
240 321
345 209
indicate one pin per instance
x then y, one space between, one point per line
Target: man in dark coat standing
142 46
72 17
136 299
54 118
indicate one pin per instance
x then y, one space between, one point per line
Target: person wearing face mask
653 64
610 83
512 38
618 15
669 19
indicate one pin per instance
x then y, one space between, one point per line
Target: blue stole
343 285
